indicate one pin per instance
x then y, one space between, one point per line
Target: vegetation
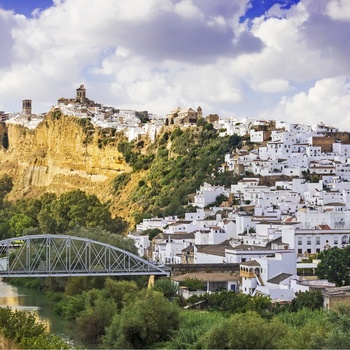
335 265
167 287
22 328
310 299
230 302
149 320
120 314
176 165
52 214
244 331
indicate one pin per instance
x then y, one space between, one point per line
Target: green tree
5 187
150 319
121 292
304 329
23 329
101 235
310 299
339 337
151 232
96 316
20 222
167 287
244 331
193 284
47 224
193 326
334 265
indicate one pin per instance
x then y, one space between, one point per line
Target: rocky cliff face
61 154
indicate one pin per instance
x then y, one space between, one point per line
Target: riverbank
34 301
7 344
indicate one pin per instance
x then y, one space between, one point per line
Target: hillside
138 179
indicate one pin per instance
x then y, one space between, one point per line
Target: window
300 251
318 250
318 240
300 241
335 240
308 251
308 241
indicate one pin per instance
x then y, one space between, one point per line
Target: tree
151 232
244 331
339 337
22 328
101 235
120 291
19 222
310 299
97 315
304 329
193 284
150 319
5 187
167 287
335 265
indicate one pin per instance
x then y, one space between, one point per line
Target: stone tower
81 94
27 107
199 112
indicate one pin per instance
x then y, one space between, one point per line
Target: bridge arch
62 255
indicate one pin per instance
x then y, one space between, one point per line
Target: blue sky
285 59
25 7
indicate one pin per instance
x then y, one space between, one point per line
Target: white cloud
186 9
158 54
339 10
328 101
272 86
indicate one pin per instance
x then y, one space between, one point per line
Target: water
25 299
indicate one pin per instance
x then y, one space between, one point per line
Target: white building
274 277
207 194
312 241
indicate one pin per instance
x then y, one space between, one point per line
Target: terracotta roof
179 235
334 204
182 222
250 263
279 278
214 249
208 277
248 247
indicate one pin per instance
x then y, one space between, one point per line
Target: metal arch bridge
61 255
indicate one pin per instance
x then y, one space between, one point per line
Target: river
21 298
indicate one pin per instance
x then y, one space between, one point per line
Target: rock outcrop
61 154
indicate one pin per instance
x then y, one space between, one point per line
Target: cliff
61 154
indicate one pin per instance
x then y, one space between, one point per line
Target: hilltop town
259 235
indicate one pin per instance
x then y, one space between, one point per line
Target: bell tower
27 107
81 94
199 112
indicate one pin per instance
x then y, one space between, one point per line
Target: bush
150 319
193 284
167 287
23 329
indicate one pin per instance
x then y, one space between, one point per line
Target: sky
268 59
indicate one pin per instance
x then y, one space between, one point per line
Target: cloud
328 101
339 10
158 54
272 86
8 22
